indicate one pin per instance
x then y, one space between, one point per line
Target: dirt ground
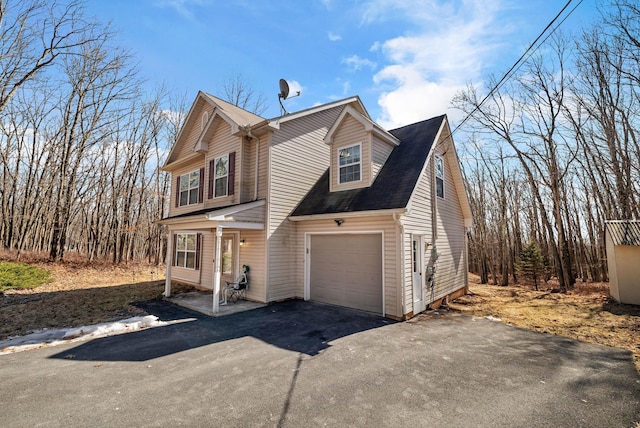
586 313
81 293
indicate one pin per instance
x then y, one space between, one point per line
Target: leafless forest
548 156
554 152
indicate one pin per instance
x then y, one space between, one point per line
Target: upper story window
349 164
189 185
439 164
222 176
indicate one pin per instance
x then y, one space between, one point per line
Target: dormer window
349 164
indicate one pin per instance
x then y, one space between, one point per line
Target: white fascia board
241 225
275 122
182 161
352 214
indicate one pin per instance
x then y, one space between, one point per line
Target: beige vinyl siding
221 143
392 281
450 243
208 245
173 210
193 130
249 155
298 156
349 133
202 276
252 254
380 151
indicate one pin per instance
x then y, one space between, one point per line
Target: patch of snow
43 338
492 318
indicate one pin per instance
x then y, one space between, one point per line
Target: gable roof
236 114
233 115
393 185
368 124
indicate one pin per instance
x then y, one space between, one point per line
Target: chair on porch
237 289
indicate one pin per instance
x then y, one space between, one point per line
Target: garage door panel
346 270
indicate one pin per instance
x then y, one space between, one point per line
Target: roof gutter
350 214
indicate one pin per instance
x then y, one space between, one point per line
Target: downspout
434 235
400 261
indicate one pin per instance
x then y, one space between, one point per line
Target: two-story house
322 204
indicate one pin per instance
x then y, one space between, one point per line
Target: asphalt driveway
300 364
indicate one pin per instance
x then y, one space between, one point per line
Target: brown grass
586 313
82 293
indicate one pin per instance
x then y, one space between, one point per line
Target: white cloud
334 37
294 88
183 7
449 44
356 63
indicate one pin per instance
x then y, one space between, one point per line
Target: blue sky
404 58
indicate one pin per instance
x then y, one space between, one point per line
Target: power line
526 55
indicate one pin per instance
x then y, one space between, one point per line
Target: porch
202 301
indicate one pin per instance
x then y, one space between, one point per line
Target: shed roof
624 232
394 183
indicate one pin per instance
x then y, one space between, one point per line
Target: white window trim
185 251
440 176
226 190
182 177
359 145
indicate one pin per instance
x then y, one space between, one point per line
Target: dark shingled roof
394 183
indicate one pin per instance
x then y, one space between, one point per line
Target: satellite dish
284 89
284 94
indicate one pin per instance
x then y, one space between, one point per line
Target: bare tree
33 34
239 92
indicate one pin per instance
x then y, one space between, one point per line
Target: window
349 164
439 164
189 185
221 176
187 247
205 119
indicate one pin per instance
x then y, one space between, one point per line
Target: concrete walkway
297 364
202 301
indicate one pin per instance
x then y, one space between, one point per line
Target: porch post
216 271
168 263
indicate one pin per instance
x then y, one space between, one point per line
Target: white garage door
346 270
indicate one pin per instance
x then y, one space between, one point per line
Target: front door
229 255
417 261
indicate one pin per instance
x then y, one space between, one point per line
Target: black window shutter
232 172
178 192
212 177
201 186
198 242
175 248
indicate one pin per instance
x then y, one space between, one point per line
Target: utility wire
526 55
